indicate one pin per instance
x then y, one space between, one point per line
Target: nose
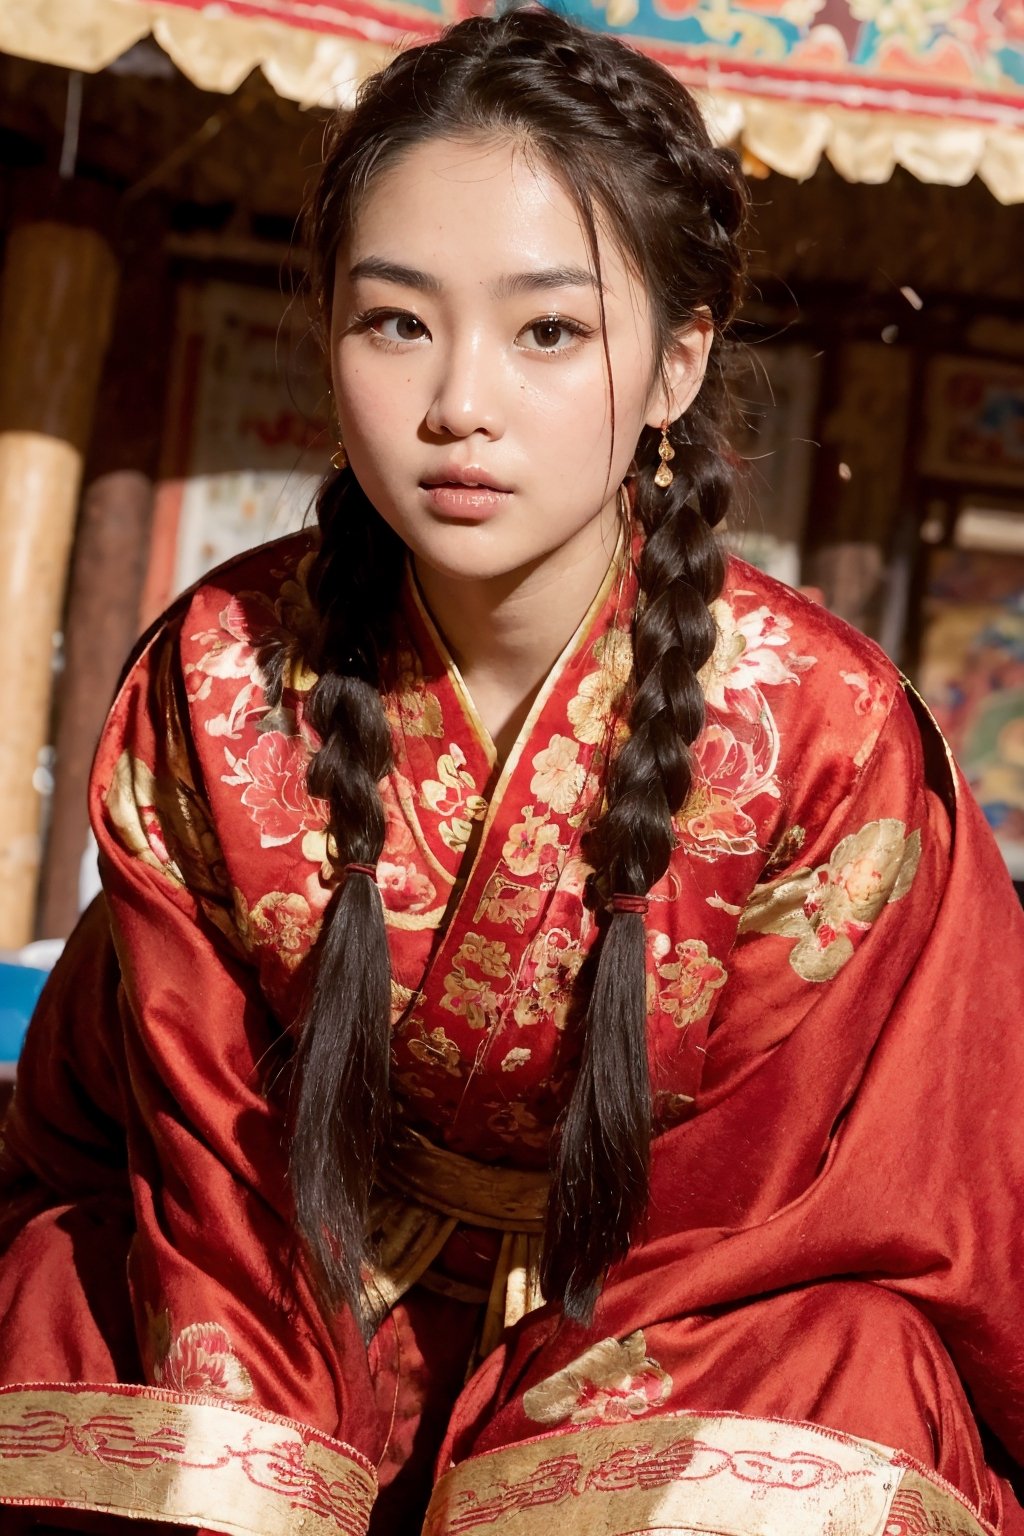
467 390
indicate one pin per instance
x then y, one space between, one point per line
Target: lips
470 478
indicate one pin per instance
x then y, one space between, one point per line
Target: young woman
556 1064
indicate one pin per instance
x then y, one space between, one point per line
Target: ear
685 366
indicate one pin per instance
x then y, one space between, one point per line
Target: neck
506 632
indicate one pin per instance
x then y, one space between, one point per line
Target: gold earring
663 476
339 458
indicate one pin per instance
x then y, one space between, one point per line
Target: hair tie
622 901
361 869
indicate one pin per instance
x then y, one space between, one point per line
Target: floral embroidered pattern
735 758
532 844
557 957
436 1049
200 1360
690 980
284 922
559 775
751 652
826 910
453 795
273 772
610 1383
412 708
473 997
596 710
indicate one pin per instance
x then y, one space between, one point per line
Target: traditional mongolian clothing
827 1299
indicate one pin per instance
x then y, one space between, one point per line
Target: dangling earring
663 476
339 458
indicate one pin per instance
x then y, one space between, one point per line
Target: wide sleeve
859 1111
220 1297
858 1118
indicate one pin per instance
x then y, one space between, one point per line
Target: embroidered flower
557 957
403 888
273 772
530 843
829 908
131 802
435 1049
488 955
560 775
283 921
476 1001
454 796
750 653
201 1360
730 770
689 982
597 706
503 901
413 708
871 691
517 1057
610 1383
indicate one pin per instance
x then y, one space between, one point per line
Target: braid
341 1102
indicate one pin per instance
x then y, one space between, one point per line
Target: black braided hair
630 147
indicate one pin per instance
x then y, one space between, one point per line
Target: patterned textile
834 1234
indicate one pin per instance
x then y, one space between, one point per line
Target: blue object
20 986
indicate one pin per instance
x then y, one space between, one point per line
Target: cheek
372 400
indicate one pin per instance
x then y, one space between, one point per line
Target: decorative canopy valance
934 85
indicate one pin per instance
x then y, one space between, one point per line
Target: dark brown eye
408 328
547 333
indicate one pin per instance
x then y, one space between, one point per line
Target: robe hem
690 1474
148 1453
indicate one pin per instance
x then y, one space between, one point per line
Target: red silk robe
832 1261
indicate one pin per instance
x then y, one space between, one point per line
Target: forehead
469 210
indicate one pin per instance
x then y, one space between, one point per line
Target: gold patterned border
151 1454
687 1473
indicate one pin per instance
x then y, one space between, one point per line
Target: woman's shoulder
239 604
813 665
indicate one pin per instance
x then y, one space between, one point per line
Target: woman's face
469 369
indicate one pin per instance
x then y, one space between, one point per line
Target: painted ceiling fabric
934 85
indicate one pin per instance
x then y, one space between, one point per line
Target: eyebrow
509 286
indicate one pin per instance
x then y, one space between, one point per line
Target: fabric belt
423 1194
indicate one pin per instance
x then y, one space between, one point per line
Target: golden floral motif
827 908
284 922
454 796
435 1049
751 651
518 1056
689 981
531 843
597 706
413 708
504 901
558 958
200 1361
612 1382
488 955
131 801
559 775
476 999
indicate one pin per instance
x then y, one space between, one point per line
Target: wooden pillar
56 303
101 621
